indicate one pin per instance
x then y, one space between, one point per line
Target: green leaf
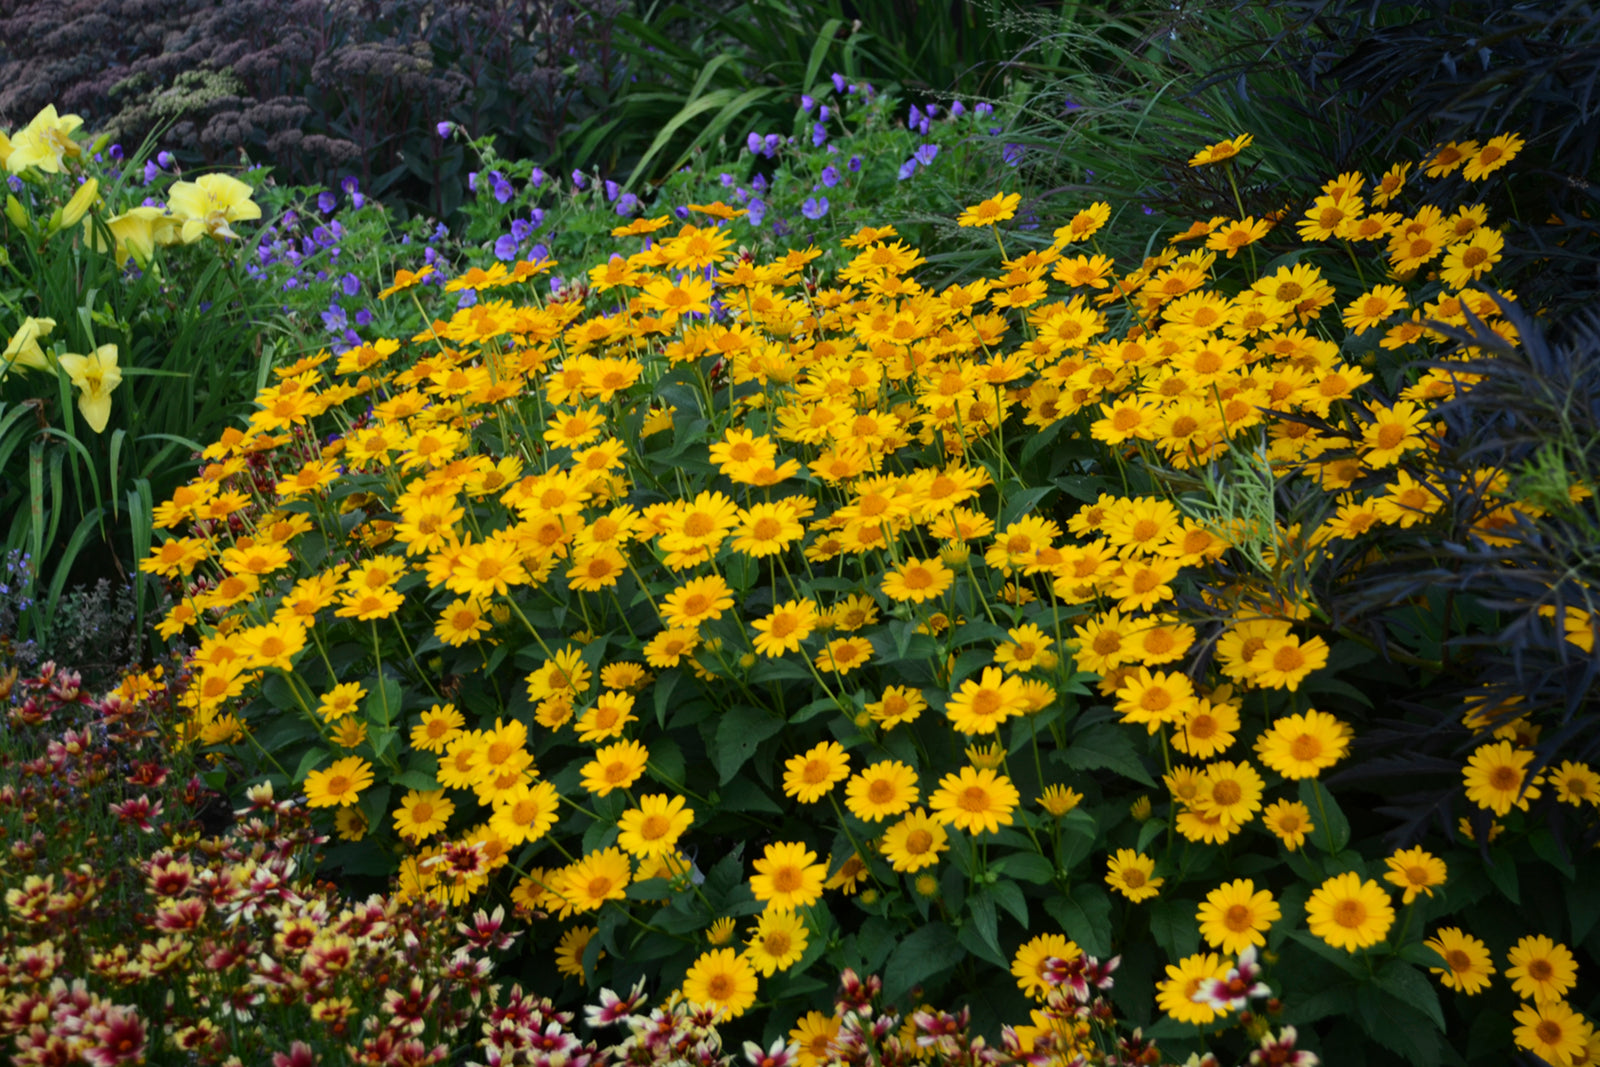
1028 866
1021 502
1503 873
1335 1000
383 706
1583 907
308 763
1106 746
741 731
1009 896
1397 1026
1084 917
421 781
665 684
1409 985
1326 815
929 951
975 939
986 921
1174 928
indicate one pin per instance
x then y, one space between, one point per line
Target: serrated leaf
665 684
1028 866
929 951
1020 503
309 762
986 919
1410 985
1174 928
1503 873
1084 917
741 730
1397 1026
1010 897
383 705
1326 814
421 781
1109 747
975 941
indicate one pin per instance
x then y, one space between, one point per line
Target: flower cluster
723 592
134 933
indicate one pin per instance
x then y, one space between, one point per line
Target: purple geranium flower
830 175
758 211
353 189
350 284
907 169
445 129
838 83
536 179
502 188
819 135
815 207
627 204
505 248
807 102
926 154
326 201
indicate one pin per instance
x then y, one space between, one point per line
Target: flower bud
16 213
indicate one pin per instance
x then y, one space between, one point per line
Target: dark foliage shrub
319 90
1413 75
1497 604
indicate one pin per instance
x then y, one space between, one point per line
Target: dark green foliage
1410 76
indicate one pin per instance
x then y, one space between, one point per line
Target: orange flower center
1227 793
1350 913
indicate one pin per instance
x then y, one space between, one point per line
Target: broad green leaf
1106 746
741 731
1173 927
1410 985
1084 917
1326 815
929 951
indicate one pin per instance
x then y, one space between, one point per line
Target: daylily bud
100 145
81 202
16 213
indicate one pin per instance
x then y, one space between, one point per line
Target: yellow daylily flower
95 375
23 349
44 142
208 204
136 232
